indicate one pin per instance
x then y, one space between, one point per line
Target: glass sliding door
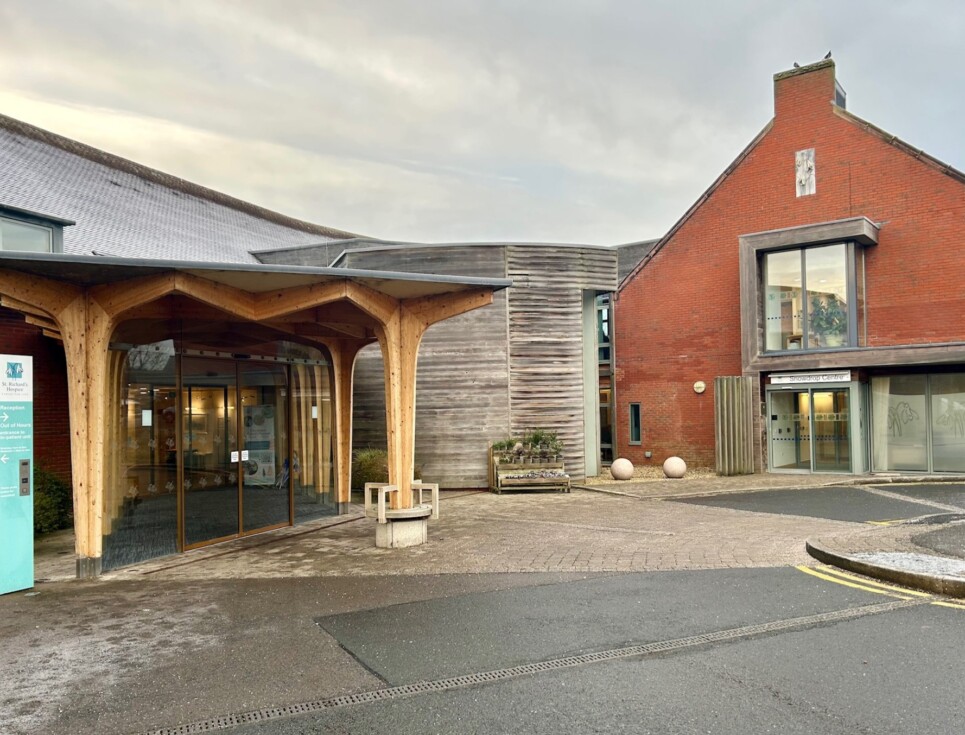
810 430
210 450
265 464
831 436
790 430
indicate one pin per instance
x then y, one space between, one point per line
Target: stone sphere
621 469
674 467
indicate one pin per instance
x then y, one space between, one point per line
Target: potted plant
827 321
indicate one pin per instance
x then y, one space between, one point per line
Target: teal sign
16 473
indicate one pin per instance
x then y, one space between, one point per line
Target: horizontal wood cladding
462 398
483 261
509 367
579 268
545 310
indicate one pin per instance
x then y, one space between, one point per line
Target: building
821 273
531 360
200 394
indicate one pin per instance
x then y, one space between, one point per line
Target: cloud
587 121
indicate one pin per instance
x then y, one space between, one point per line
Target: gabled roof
694 207
125 209
883 135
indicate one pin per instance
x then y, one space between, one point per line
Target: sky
589 121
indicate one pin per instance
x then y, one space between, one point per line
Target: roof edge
109 260
901 145
696 205
118 163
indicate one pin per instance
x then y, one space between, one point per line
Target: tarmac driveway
855 504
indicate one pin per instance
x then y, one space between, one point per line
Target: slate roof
125 209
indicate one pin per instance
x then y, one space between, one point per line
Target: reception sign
16 475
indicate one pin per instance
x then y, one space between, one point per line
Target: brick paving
535 532
608 527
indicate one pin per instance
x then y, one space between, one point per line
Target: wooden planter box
536 475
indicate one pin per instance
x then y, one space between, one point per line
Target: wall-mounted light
314 412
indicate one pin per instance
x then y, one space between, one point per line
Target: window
810 296
802 288
25 237
29 232
603 327
635 434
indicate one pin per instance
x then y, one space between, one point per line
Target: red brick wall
678 320
51 426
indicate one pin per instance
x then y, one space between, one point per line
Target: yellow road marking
839 577
884 523
839 573
837 580
949 604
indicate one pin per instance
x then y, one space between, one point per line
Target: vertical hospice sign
16 475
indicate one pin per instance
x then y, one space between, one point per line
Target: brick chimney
807 91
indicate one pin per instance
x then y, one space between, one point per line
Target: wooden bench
529 476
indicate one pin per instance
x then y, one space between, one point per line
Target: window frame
634 408
851 275
859 231
53 225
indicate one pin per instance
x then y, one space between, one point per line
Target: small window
635 434
25 237
603 328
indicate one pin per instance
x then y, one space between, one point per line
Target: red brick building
824 265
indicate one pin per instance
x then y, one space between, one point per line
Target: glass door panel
266 474
948 422
831 433
312 465
209 439
790 430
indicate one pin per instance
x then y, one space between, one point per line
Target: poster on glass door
260 442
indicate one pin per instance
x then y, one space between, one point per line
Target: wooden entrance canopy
81 300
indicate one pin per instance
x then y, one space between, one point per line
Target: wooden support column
86 329
400 338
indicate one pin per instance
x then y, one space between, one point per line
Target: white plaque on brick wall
804 172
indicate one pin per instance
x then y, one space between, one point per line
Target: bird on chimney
827 55
796 65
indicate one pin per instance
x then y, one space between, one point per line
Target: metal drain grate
457 682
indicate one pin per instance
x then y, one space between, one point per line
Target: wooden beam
432 309
34 294
41 321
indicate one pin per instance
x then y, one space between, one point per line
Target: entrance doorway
211 447
236 450
810 430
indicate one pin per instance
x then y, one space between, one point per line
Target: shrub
372 465
53 502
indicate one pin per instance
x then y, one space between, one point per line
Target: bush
372 465
53 502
